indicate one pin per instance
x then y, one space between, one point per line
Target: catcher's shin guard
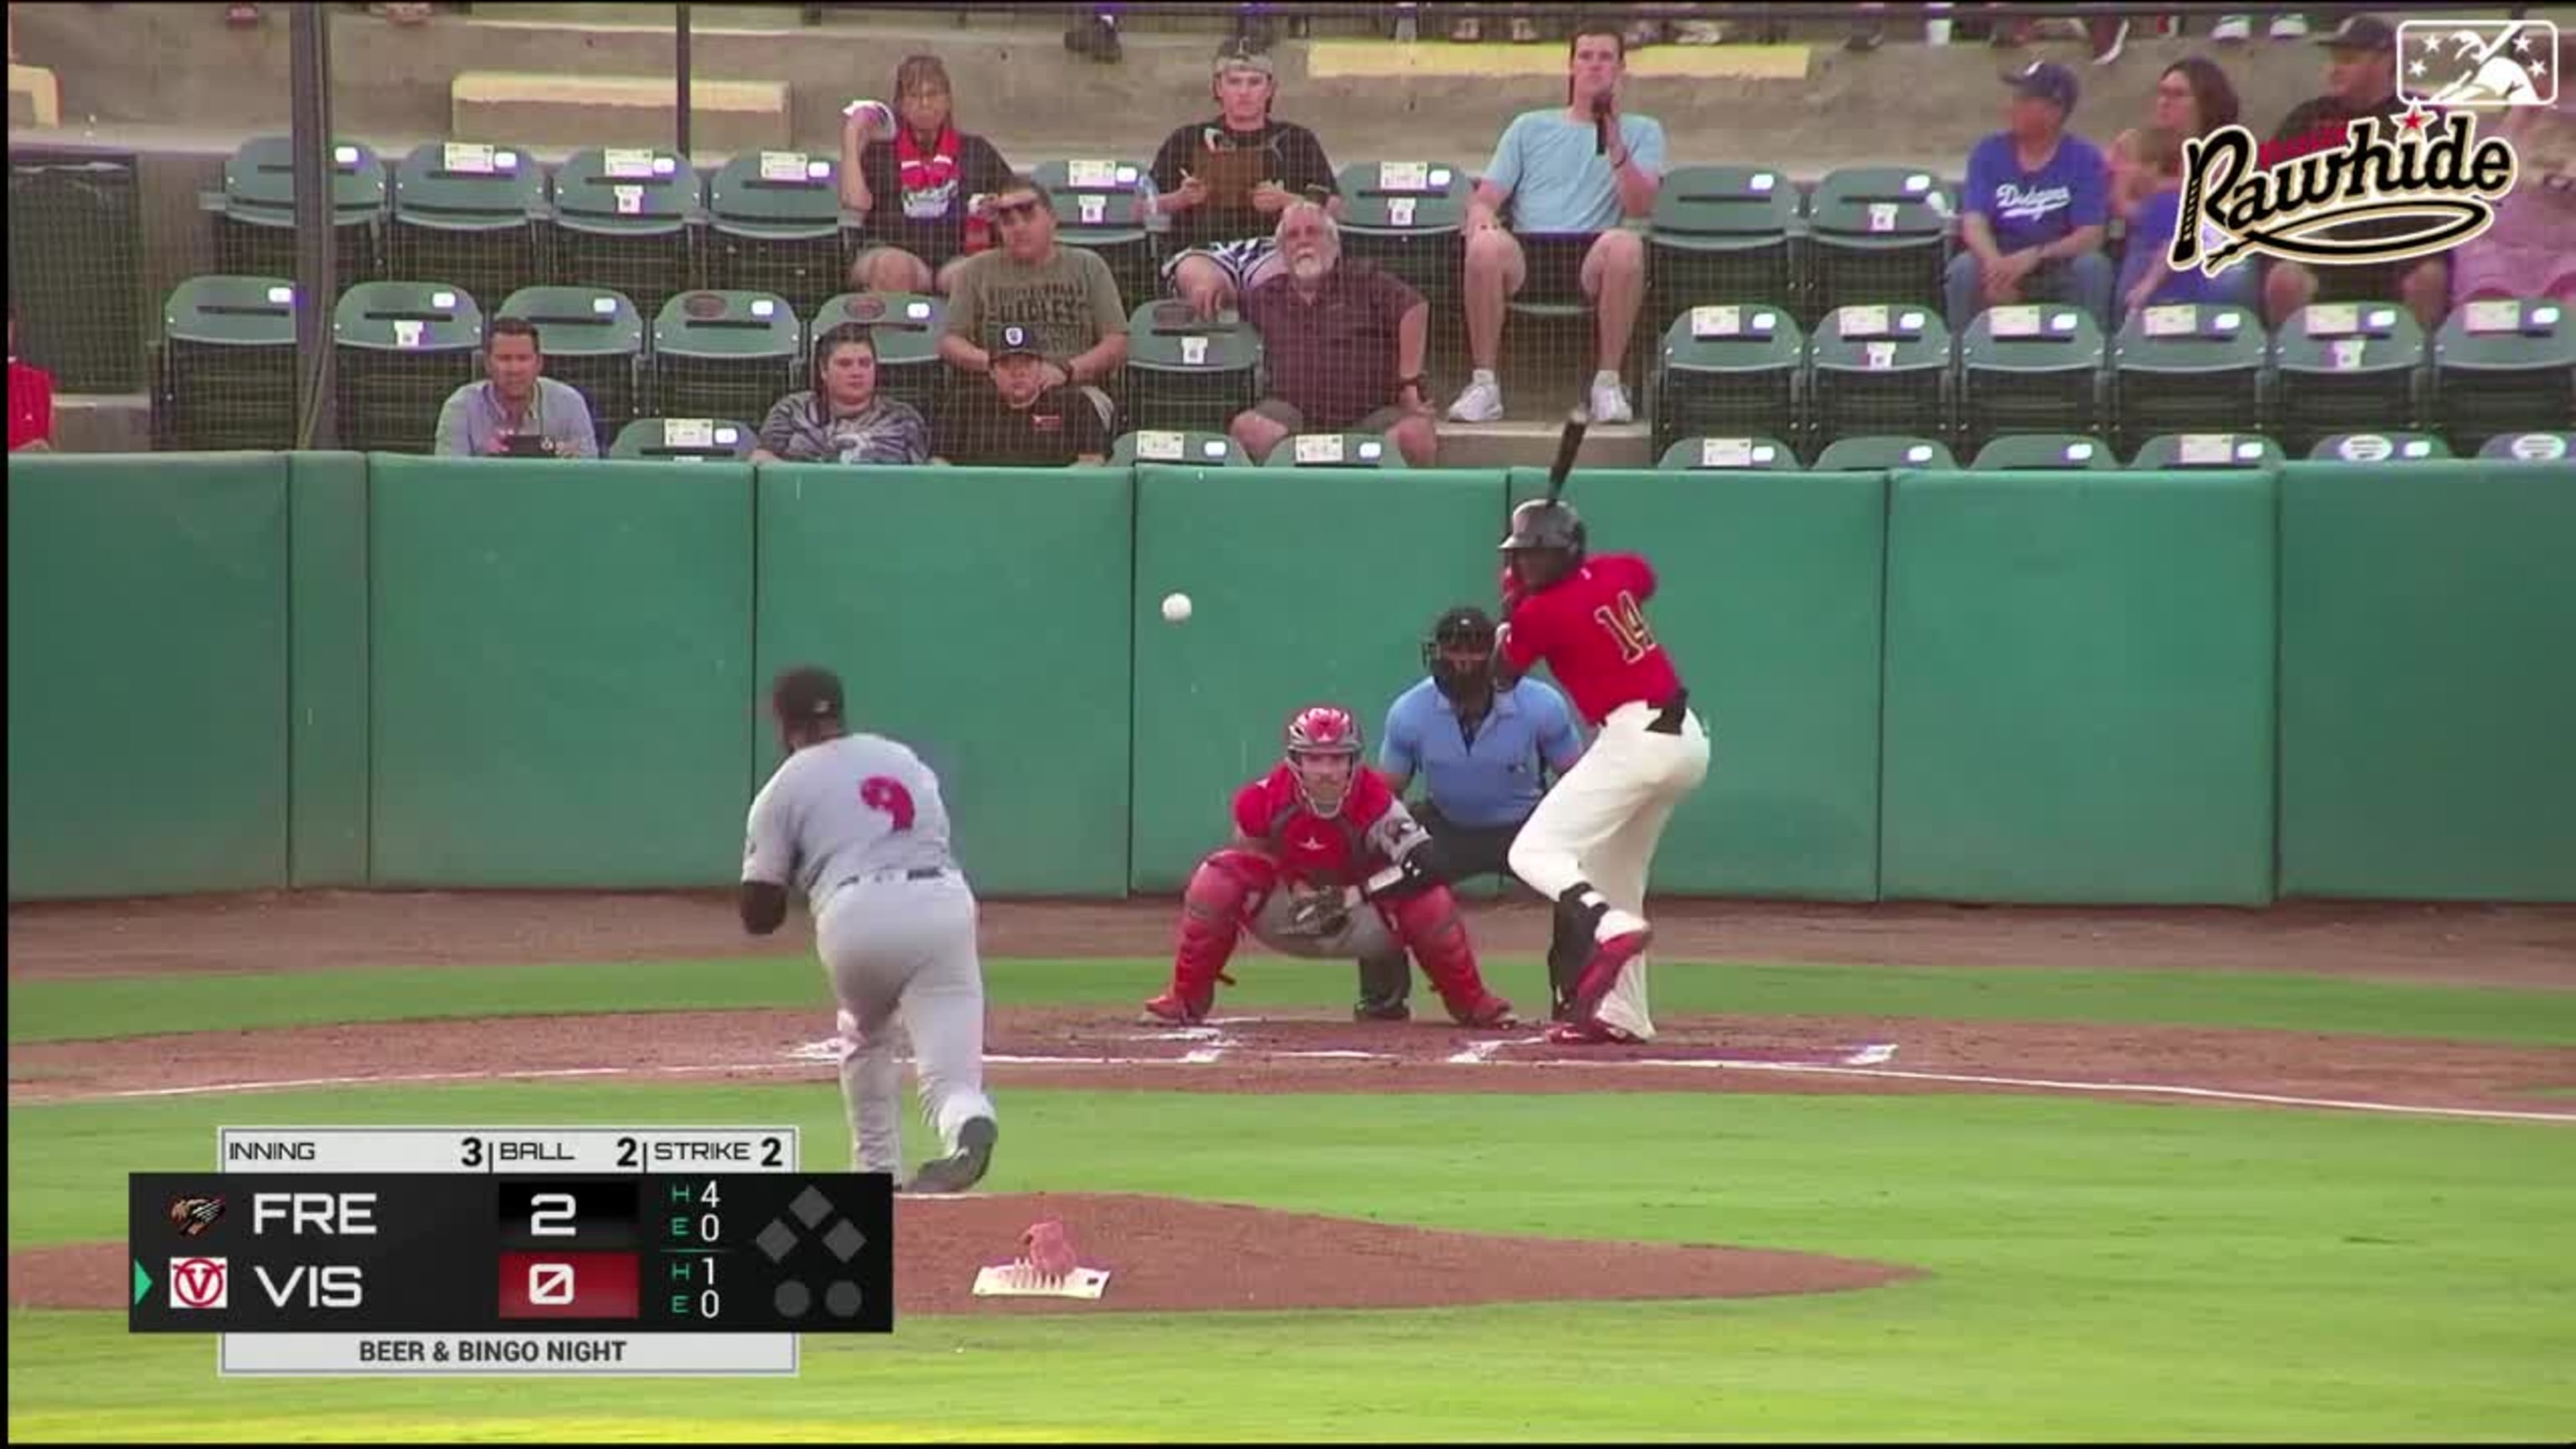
1225 888
1429 925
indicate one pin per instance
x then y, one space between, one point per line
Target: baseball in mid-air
1176 608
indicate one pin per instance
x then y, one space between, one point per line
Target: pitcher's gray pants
903 950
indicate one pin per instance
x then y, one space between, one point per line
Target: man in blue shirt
2034 210
1485 757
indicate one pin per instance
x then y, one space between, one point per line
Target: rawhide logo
2434 172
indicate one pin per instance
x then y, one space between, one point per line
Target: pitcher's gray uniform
857 823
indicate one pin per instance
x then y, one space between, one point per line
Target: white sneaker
1610 402
1482 402
2292 26
2231 27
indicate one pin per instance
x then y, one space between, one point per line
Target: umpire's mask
1460 652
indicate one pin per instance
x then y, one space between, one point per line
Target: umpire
1485 757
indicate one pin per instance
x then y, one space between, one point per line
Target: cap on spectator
2360 32
2046 80
1238 54
1012 337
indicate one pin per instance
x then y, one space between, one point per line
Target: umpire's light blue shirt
1496 780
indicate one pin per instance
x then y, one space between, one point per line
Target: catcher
1325 863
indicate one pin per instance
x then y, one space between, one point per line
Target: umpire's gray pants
898 949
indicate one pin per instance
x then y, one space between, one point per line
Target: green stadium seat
1724 234
2019 451
1408 217
1100 205
2347 367
2503 367
1867 455
2189 369
1880 370
622 219
723 355
594 341
1336 450
906 328
684 440
1210 450
2029 369
470 212
1714 455
224 374
255 211
1728 370
2380 448
1878 234
402 347
2537 447
76 260
774 225
2208 450
1187 374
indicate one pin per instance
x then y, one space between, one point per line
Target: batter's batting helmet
1551 530
1324 731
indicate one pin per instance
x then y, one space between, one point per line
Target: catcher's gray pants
902 948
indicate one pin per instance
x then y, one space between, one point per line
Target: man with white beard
1342 343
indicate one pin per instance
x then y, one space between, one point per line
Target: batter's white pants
903 951
1602 822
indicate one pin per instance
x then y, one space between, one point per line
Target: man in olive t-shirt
1064 295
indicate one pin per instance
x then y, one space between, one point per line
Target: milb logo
200 1283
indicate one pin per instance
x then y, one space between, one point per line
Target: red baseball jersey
1310 848
1590 629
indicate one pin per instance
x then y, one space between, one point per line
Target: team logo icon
193 1215
2477 63
200 1282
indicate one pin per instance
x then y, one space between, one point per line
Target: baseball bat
1568 443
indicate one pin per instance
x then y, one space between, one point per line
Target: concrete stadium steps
570 109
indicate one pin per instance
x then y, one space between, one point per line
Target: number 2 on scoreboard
551 1214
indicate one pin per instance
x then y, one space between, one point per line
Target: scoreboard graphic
510 1251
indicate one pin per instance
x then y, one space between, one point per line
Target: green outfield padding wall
252 671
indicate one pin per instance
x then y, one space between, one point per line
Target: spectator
2290 25
31 398
1064 294
1022 420
2361 80
915 188
516 411
1343 342
2193 98
2033 212
1224 183
2530 251
842 419
1569 176
2145 278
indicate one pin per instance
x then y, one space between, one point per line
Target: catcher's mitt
1316 913
1045 1248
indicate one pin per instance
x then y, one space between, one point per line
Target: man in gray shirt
515 401
842 418
856 823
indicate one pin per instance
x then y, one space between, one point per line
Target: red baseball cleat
1602 971
1488 1010
1174 1009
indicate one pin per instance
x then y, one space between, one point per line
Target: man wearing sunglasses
1065 298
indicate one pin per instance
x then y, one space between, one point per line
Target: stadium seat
2379 448
2348 367
1759 455
684 440
2503 367
2029 369
1729 370
1206 449
1407 217
594 341
402 347
1186 374
224 375
2019 451
723 355
2541 447
2208 450
2188 369
1724 233
1880 370
774 225
1878 234
906 328
1862 455
255 211
1335 450
471 213
1100 205
622 220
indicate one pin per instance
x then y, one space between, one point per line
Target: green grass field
2094 1270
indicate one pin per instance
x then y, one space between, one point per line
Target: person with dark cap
1021 420
1485 757
2035 208
2361 80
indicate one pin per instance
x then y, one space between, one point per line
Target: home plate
1019 1280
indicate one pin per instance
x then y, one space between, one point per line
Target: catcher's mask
1546 542
1324 754
1460 652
